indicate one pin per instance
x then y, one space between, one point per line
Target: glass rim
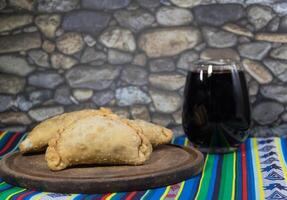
216 64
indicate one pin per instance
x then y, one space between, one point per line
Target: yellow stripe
111 196
258 167
40 195
72 196
234 175
185 142
280 156
202 176
165 193
180 190
44 194
3 134
15 193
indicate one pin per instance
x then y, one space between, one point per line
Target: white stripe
256 186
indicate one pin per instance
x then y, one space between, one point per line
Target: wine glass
216 109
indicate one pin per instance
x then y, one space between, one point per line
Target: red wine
216 110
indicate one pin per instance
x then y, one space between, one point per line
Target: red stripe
244 172
171 196
173 188
105 196
9 143
22 196
131 195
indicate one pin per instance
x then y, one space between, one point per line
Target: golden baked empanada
37 140
156 134
98 140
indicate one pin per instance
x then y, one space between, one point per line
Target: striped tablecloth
257 171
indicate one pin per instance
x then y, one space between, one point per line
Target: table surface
258 170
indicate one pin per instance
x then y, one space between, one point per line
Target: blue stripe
89 197
149 194
138 195
195 186
15 197
189 189
119 195
13 146
79 197
238 180
158 193
28 197
84 196
5 139
185 194
250 177
5 186
179 140
284 148
212 179
218 177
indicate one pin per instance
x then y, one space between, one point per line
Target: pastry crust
37 140
156 134
98 140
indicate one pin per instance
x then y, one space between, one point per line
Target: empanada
98 140
37 140
156 134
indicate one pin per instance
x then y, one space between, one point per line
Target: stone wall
132 56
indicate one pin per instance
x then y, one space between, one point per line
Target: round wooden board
169 164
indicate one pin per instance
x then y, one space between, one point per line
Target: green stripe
226 185
7 193
206 177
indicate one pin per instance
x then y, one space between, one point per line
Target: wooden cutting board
168 164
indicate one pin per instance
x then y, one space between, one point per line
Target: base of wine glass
215 150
